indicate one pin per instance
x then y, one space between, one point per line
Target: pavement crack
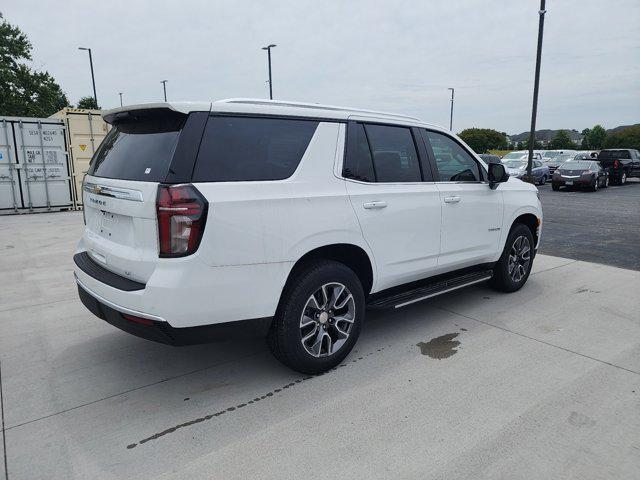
141 387
256 399
4 434
540 341
554 268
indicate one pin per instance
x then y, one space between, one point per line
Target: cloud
391 55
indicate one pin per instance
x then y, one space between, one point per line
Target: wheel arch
530 220
353 256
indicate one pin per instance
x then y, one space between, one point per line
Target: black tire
502 279
595 185
606 182
623 178
286 334
543 180
555 187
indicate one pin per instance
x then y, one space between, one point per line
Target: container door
42 155
9 182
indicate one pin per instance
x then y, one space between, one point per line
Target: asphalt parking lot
602 226
543 383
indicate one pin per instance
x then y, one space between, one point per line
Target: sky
397 56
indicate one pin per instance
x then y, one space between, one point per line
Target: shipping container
34 165
85 131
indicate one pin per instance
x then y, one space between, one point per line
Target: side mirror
497 174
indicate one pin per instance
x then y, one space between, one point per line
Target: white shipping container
85 131
35 174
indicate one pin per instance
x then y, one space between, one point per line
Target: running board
398 299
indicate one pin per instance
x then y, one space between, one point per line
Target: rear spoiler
131 112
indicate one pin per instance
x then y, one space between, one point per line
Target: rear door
471 211
395 200
119 192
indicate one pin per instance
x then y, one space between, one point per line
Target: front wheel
595 185
319 317
543 180
512 270
623 178
606 182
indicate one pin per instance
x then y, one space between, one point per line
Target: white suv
289 219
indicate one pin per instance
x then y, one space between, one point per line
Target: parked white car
289 218
521 155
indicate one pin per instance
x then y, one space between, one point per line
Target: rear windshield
251 149
138 148
606 154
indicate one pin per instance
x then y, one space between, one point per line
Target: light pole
120 98
164 89
93 79
536 85
268 49
451 116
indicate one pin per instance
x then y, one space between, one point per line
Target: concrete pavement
544 383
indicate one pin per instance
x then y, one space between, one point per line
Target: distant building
544 137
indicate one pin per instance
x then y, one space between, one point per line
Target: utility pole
268 49
536 85
451 117
93 78
164 88
120 98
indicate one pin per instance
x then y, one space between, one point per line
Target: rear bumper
162 332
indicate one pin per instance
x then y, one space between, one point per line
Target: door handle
453 199
374 205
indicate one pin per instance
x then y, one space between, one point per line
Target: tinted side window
358 164
395 158
245 149
454 164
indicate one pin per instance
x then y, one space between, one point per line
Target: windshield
565 157
140 148
577 165
515 164
550 154
513 155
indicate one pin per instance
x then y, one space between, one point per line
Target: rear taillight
616 164
182 213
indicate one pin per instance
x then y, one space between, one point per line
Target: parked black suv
621 164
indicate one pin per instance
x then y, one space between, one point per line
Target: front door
472 213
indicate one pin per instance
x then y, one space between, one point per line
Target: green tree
561 140
627 138
597 136
586 133
483 139
537 145
24 92
88 102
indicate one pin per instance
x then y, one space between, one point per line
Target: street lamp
164 88
93 79
268 49
451 116
536 85
120 98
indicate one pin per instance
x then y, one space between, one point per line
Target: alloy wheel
519 258
327 319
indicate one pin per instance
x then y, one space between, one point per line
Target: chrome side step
417 293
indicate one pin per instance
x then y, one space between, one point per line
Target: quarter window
246 149
358 164
454 163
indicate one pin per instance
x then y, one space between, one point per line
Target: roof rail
317 106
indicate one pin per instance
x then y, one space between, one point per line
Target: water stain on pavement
440 347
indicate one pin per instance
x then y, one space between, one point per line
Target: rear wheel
319 317
543 180
511 272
